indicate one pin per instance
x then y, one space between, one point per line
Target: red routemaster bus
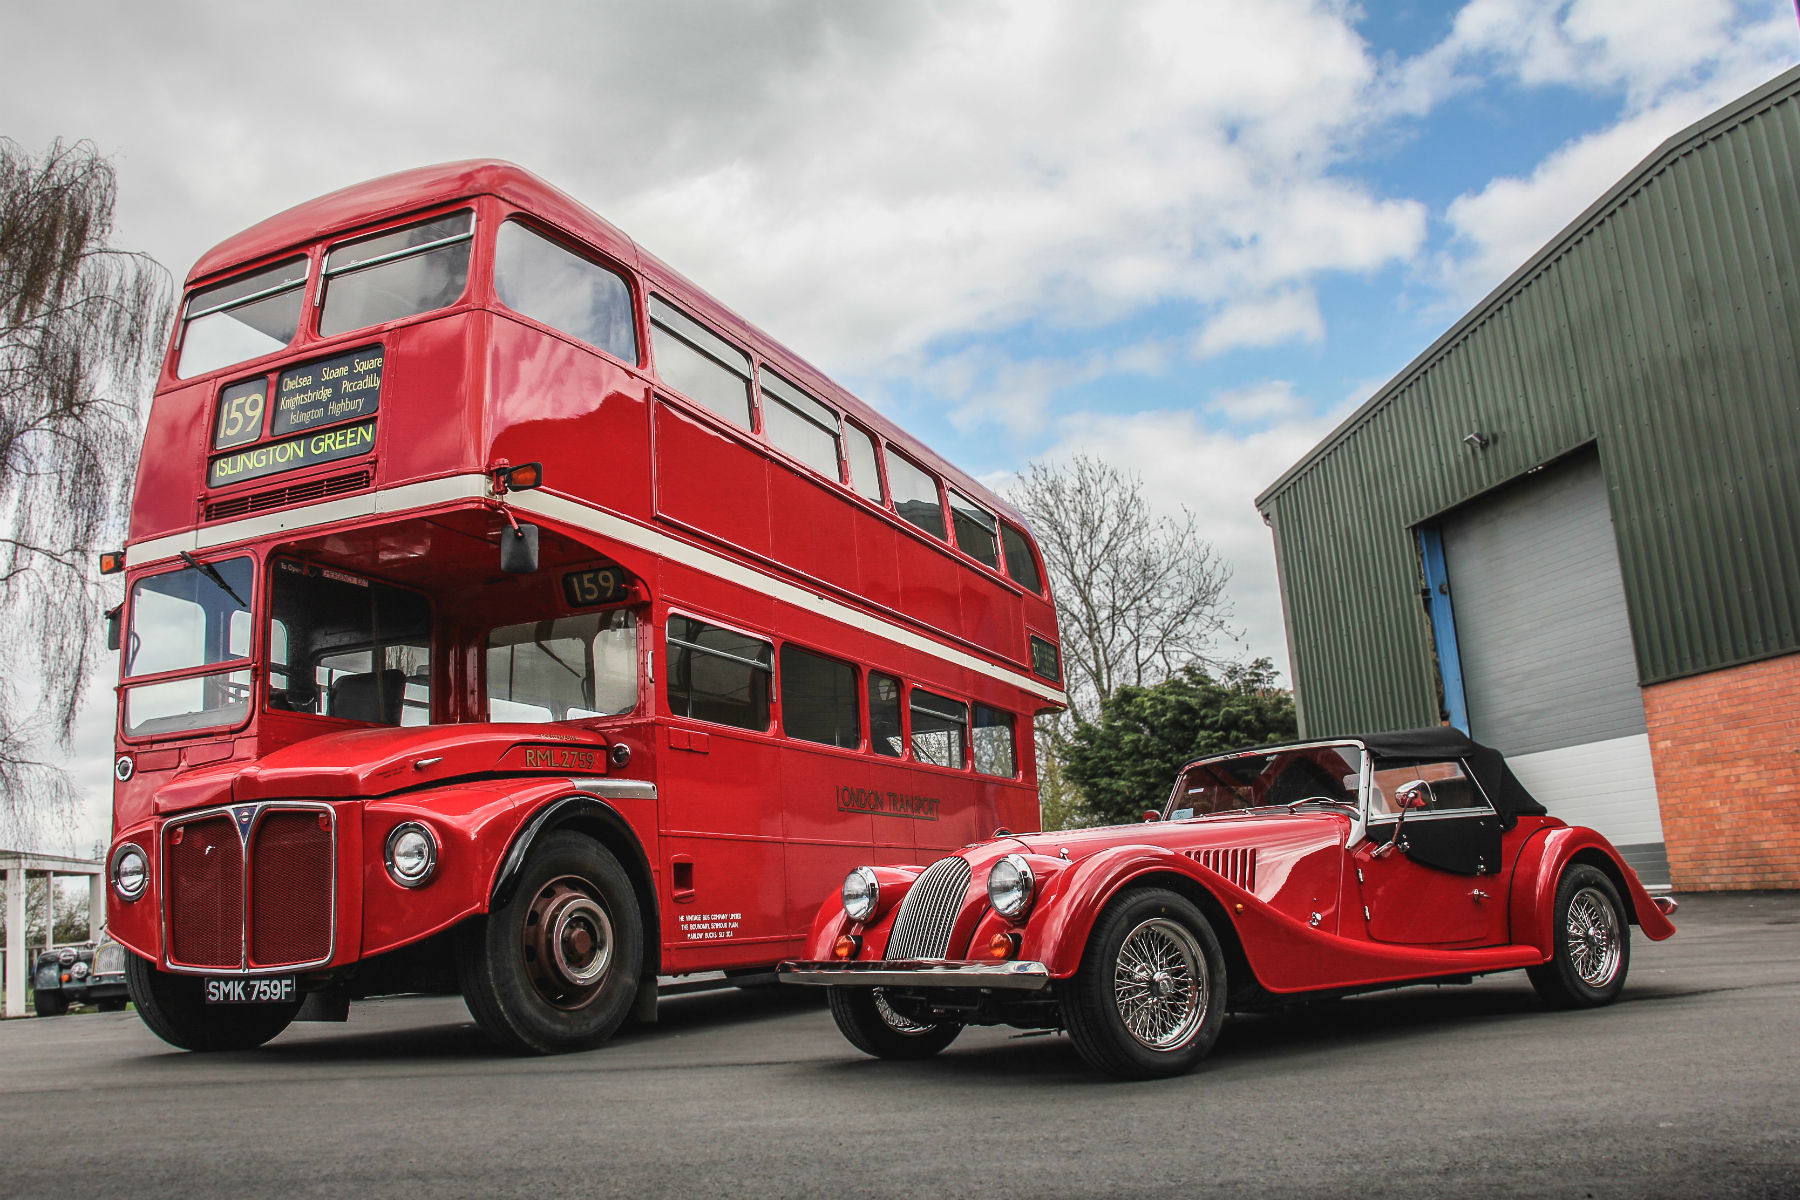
504 615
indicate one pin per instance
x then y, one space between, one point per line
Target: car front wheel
555 968
176 1011
50 1004
1593 943
1149 998
870 1022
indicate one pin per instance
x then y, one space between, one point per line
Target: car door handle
1478 895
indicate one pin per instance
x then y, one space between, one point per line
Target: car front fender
832 922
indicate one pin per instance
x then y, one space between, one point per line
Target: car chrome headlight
1010 886
79 970
66 956
411 854
862 892
130 872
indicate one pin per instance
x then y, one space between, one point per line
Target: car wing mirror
1152 814
1414 793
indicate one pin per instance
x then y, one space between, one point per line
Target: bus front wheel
555 968
176 1011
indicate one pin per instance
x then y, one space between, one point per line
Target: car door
1429 870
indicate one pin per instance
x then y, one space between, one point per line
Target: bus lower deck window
818 699
993 737
886 734
564 668
718 674
940 729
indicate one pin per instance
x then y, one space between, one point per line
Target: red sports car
1314 869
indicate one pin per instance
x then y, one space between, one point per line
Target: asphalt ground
1688 1087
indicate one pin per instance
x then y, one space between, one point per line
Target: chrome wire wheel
895 1021
1592 931
568 943
1159 984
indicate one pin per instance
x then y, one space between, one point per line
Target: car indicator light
848 946
1003 945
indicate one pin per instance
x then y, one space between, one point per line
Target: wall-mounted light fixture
1478 439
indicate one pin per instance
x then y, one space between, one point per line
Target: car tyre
555 968
176 1011
50 1004
871 1024
1148 1000
1593 943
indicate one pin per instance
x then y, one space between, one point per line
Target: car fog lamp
848 945
1010 885
79 970
862 892
1003 945
411 854
130 872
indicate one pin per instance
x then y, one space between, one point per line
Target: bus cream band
467 487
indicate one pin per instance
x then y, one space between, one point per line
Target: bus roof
406 191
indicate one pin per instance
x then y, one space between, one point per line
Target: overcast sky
1188 236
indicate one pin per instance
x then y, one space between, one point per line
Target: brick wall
1726 747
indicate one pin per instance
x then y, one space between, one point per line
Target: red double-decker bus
505 615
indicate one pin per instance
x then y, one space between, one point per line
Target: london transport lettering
553 758
291 455
333 389
886 804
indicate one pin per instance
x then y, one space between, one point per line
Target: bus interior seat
371 696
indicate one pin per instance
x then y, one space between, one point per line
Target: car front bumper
926 973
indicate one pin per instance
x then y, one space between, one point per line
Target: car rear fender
1540 868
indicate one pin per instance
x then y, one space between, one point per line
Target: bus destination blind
272 458
344 388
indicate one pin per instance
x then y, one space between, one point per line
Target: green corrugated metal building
1572 525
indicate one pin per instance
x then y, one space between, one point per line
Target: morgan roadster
1309 870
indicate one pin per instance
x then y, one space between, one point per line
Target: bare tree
1139 595
80 328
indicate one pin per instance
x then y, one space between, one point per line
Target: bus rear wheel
555 968
174 1009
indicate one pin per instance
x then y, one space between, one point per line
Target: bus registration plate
250 991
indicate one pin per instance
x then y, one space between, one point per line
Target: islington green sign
346 441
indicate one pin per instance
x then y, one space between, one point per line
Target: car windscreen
344 646
1245 781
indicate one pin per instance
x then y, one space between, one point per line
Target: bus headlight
411 854
862 892
1010 886
130 872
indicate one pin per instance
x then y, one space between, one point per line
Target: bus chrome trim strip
594 520
617 789
1012 976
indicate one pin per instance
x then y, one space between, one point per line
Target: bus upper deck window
865 472
800 425
699 364
916 496
535 276
396 274
1021 563
975 529
246 318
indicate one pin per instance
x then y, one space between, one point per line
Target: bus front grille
290 888
928 914
205 885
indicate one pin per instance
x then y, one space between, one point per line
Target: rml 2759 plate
278 990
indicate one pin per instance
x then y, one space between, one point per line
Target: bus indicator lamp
523 478
112 562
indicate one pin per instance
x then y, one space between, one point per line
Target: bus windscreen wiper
207 570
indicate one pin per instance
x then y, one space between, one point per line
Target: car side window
1437 787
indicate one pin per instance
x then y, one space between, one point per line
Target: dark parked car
1314 869
89 974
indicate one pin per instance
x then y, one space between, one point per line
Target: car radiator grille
205 892
929 912
282 913
1237 864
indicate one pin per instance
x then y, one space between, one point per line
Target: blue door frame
1443 626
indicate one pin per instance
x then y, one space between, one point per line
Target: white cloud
1265 321
1260 405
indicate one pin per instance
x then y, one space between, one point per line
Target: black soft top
1486 764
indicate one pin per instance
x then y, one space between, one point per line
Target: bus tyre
1148 1000
50 1004
555 968
174 1009
871 1024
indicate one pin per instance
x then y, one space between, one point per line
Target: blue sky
1186 235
